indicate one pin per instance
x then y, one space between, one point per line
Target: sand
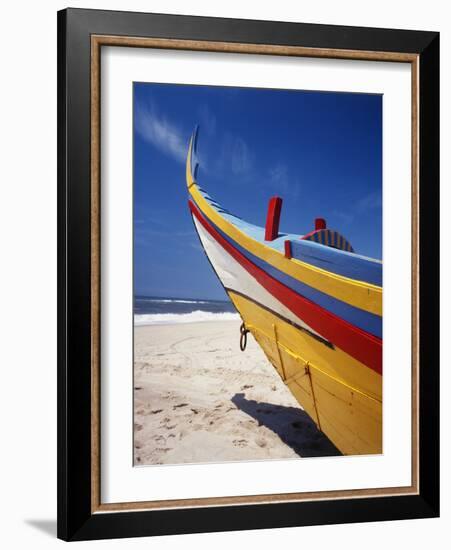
198 398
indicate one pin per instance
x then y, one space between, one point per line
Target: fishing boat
313 305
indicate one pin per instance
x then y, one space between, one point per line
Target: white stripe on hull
234 277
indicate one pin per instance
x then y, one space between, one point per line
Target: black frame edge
252 517
61 279
252 31
74 272
429 279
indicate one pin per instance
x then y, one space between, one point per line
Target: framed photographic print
248 274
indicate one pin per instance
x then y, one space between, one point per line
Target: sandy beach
198 398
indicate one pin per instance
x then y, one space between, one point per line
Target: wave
173 301
175 318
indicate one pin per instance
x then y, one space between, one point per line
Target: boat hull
333 366
351 418
341 395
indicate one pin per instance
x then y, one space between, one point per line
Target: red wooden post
273 219
288 253
320 223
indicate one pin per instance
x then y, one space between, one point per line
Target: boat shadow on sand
294 427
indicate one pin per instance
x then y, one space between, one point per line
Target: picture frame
81 36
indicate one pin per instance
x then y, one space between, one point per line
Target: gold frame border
97 41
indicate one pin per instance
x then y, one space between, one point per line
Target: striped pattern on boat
362 319
328 237
359 344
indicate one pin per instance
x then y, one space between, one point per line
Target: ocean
152 310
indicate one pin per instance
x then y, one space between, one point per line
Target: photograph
257 274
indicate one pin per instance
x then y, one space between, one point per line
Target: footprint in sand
138 427
239 442
180 405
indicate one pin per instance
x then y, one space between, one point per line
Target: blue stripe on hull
366 321
341 262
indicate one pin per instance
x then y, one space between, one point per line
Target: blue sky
321 152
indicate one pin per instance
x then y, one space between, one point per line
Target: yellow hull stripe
358 294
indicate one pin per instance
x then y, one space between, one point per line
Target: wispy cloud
207 120
369 202
278 176
151 238
278 173
241 159
149 232
280 180
235 156
345 218
163 134
360 207
196 246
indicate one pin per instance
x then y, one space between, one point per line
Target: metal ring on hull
243 337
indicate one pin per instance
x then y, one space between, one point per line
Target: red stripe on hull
361 345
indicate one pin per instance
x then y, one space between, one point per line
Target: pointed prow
192 160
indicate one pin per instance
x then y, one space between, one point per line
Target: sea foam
172 301
175 318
